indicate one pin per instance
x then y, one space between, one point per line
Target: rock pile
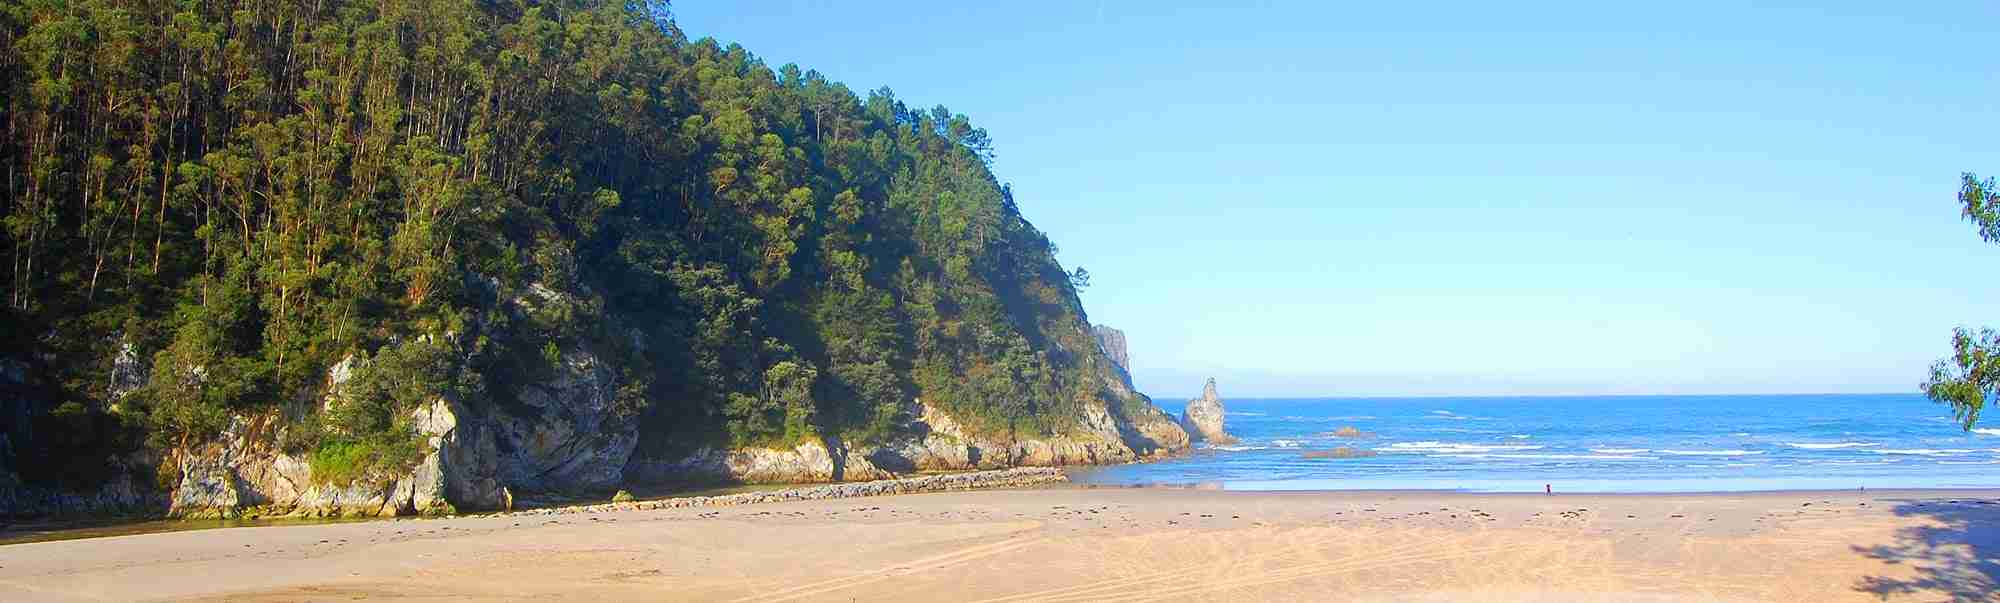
977 480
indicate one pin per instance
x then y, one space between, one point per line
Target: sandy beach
1084 544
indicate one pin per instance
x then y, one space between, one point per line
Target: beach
1070 543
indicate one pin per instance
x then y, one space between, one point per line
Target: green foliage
473 190
1971 375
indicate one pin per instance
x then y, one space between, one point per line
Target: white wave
1619 450
1968 462
1520 436
1446 414
1287 443
1578 457
1987 431
1428 446
1741 433
1819 446
1240 413
1352 418
1739 464
1924 451
1711 452
1239 448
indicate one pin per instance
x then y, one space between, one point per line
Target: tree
1971 375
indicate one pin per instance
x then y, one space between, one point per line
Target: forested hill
211 204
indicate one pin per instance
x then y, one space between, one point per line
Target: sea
1604 444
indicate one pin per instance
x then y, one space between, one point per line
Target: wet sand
1085 544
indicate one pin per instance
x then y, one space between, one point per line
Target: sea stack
1203 417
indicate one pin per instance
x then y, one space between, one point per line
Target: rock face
242 473
1113 342
1203 418
563 438
563 434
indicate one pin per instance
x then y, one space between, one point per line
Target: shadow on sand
1956 556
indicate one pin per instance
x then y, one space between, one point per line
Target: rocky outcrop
243 473
1113 342
1203 418
563 435
808 462
569 438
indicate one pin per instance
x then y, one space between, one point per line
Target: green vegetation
1972 374
247 193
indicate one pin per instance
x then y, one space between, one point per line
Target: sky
1307 199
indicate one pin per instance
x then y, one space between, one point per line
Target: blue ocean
1586 444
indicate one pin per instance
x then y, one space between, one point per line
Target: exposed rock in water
1350 432
1203 418
1342 452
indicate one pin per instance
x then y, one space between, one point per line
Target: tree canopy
243 193
1971 375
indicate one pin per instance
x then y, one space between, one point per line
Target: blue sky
1314 199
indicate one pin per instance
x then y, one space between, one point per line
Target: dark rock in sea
1350 432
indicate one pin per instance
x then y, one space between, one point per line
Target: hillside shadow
1956 558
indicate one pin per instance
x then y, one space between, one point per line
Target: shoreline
66 528
1208 487
1069 543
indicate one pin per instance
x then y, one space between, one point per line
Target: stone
1204 417
1349 432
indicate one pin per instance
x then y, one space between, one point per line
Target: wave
1238 448
1574 457
1619 450
1241 413
1428 446
1987 431
1925 451
1287 443
1818 446
1520 436
1711 452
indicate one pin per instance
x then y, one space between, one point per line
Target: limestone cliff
1203 418
1113 342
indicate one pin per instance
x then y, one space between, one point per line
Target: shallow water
1588 444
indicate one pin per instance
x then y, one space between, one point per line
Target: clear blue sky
1312 198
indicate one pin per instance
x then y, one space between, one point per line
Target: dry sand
1082 544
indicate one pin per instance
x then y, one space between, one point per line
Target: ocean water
1587 444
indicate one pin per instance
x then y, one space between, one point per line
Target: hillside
416 255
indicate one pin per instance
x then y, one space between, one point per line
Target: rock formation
563 436
1203 418
1113 342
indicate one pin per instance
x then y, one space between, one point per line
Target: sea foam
1834 446
1428 446
1711 452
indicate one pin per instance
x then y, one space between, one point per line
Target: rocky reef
1203 418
